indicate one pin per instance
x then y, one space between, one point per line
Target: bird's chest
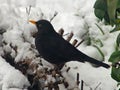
44 44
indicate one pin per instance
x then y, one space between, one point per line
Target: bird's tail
94 61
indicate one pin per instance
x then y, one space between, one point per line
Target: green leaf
111 8
99 13
101 5
108 10
115 57
100 8
88 41
106 17
116 73
118 4
118 40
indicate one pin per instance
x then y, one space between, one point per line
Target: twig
66 34
68 69
55 14
97 86
70 36
28 10
82 84
88 86
78 79
74 42
61 31
85 34
65 84
79 43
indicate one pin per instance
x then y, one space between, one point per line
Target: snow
11 78
90 75
75 16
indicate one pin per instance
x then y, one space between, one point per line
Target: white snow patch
10 77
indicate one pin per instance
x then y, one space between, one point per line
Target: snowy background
75 16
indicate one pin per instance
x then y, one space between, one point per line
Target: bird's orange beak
32 21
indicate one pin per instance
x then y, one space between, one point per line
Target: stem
100 29
82 82
99 51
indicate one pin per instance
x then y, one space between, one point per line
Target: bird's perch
69 37
74 42
61 31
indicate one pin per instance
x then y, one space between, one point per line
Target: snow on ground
72 15
94 79
11 78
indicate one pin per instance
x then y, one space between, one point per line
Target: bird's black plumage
55 49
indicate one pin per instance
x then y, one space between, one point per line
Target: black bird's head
43 26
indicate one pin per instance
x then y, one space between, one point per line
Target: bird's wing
63 48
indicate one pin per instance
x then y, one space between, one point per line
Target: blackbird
55 49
